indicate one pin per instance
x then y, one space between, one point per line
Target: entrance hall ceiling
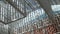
14 10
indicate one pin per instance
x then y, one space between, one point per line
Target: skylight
55 7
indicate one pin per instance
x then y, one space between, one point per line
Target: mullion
10 13
7 15
17 4
24 7
17 15
2 14
15 10
18 7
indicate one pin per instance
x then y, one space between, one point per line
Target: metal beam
11 21
46 5
2 22
14 20
15 6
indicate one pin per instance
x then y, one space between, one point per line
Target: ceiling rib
2 21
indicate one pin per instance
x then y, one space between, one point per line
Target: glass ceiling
11 11
25 5
17 9
8 13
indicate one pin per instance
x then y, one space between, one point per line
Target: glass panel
9 13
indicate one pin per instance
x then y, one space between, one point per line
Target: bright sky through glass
55 7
